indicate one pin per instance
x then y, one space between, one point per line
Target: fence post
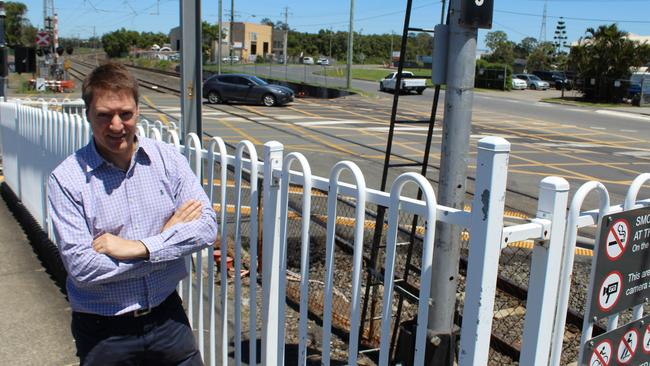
545 273
271 256
485 248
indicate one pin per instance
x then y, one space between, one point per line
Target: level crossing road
579 144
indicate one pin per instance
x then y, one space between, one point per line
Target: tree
18 30
541 58
525 47
267 21
117 43
605 55
502 50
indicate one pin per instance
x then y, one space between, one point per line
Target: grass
20 83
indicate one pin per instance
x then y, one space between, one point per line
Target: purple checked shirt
88 196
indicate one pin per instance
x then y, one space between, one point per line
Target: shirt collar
95 160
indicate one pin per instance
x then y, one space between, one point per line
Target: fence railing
253 200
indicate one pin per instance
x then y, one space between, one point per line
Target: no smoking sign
617 239
622 274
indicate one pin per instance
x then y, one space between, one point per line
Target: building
249 40
278 44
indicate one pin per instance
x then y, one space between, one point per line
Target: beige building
250 40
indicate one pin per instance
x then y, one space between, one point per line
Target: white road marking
293 117
567 144
597 128
400 128
632 131
579 110
634 154
624 115
326 123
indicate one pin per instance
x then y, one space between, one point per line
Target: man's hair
110 76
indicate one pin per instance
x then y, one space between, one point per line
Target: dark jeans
162 337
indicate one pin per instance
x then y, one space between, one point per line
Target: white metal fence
35 140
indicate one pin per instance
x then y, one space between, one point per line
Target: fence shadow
45 250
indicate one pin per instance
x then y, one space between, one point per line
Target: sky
518 18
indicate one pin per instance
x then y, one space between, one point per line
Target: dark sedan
245 88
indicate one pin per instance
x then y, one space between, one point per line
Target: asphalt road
579 144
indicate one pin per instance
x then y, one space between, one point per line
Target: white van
308 60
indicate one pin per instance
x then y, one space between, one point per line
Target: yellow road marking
241 132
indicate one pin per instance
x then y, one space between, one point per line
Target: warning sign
602 354
43 39
627 346
617 239
610 291
620 346
622 276
646 340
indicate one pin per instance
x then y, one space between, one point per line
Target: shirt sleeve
182 239
84 265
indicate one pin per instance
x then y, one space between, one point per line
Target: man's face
113 116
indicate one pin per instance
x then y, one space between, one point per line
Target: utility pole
95 45
191 68
390 54
331 36
219 37
231 43
350 46
286 34
4 67
465 17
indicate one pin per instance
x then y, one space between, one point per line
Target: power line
574 18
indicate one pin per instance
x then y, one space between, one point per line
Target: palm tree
605 54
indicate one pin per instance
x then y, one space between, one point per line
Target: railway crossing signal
42 39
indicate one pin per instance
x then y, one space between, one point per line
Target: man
125 211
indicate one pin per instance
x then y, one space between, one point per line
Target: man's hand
120 249
190 210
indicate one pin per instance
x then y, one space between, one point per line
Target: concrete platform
34 312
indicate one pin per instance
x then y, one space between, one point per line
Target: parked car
323 61
229 58
533 81
409 82
245 88
555 78
518 84
308 60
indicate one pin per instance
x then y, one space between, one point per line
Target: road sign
627 346
42 39
622 275
600 350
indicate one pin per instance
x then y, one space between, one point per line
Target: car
518 84
558 79
533 81
323 61
230 58
245 88
308 60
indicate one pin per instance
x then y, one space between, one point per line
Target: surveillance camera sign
622 276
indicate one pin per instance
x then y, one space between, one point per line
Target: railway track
512 285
